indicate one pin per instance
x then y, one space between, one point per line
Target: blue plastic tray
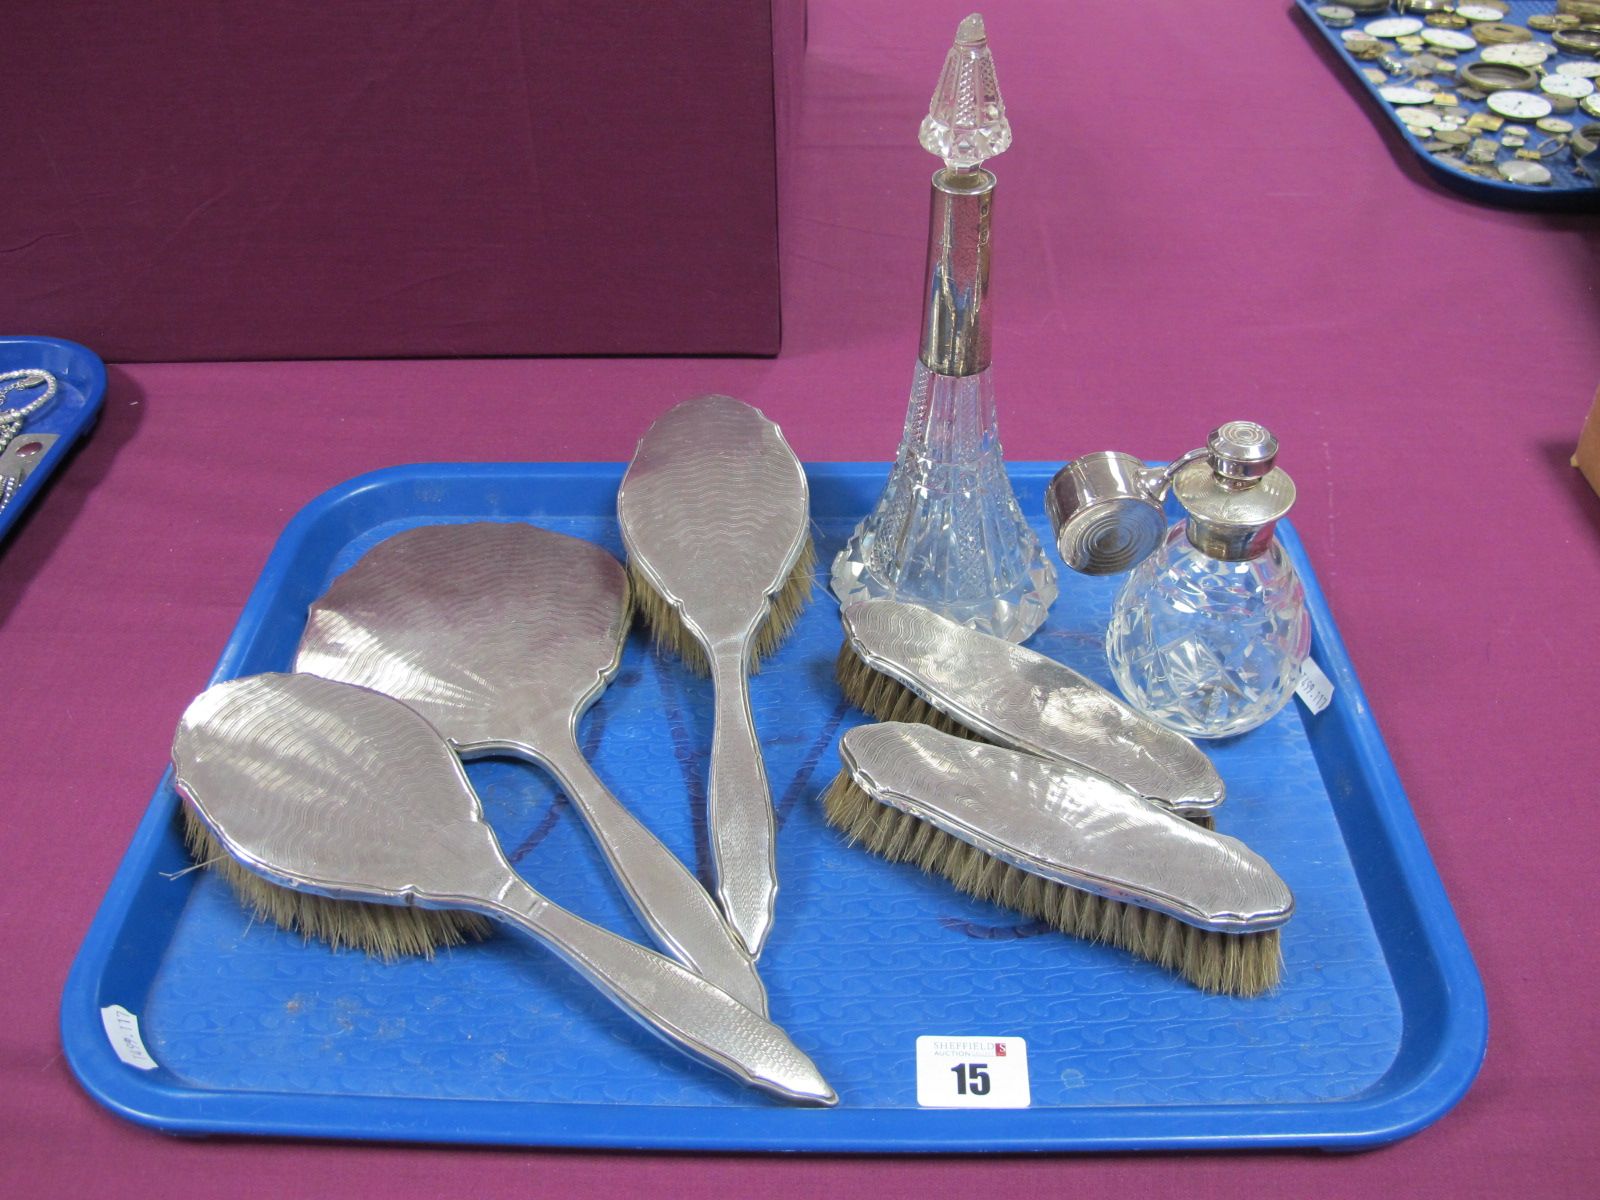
68 417
1378 1029
1569 187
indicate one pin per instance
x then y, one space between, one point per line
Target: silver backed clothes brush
342 792
502 635
715 515
902 662
1066 846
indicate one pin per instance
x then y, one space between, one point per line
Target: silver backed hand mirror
501 635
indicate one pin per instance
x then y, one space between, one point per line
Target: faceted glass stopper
966 121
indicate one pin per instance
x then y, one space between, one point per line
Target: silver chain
12 419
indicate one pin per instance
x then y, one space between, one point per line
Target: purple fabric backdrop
368 179
1252 247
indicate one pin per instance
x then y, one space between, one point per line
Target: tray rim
1567 198
1376 1116
94 394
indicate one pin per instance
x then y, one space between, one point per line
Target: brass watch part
1582 40
1498 77
1500 32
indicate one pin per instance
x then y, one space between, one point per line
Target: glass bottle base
1014 614
947 532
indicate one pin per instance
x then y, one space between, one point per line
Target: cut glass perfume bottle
1209 632
947 533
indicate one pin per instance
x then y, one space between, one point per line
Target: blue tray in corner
49 435
1378 1029
1569 187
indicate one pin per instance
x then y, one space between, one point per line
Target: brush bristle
789 602
382 930
1237 964
888 699
668 629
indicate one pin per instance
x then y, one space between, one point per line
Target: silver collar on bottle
955 329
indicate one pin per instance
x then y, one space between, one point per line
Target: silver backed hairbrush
335 790
1066 846
715 515
902 662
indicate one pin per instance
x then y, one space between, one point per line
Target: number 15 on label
972 1072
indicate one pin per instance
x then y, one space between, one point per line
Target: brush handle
695 1016
739 818
682 918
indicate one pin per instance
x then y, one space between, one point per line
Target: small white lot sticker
122 1027
972 1072
1315 688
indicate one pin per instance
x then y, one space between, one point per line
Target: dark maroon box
193 180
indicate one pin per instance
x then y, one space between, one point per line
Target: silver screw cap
1234 496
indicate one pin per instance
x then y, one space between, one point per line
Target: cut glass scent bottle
1209 633
947 532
